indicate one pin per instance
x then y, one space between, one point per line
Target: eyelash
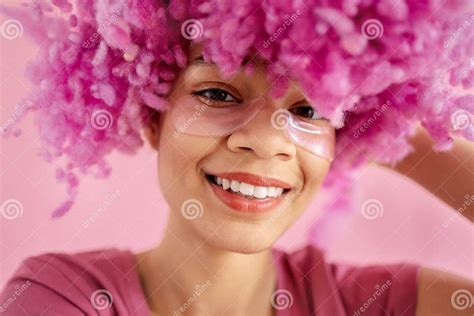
216 91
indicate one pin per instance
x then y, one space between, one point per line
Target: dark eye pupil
305 111
217 94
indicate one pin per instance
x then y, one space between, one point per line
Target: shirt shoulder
340 288
377 288
73 284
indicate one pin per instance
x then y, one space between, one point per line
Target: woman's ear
151 129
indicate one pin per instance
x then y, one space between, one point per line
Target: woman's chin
239 237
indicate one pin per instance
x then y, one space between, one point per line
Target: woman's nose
262 136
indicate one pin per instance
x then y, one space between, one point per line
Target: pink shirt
106 282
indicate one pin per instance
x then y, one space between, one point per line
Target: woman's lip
253 179
243 204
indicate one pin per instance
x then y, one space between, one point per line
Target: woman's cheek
179 161
173 161
314 171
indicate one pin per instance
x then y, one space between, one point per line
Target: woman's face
186 163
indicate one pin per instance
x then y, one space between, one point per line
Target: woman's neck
187 276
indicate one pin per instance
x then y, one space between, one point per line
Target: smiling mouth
247 190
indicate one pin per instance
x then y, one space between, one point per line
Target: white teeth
249 189
235 185
246 189
271 191
225 184
260 192
279 191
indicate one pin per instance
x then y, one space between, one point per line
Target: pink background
410 229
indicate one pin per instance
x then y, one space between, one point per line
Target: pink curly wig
375 68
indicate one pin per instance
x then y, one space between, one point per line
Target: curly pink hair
374 68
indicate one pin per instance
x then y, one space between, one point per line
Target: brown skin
449 176
231 251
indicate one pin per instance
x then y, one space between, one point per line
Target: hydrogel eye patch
193 117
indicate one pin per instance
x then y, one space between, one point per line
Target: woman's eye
307 112
215 95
